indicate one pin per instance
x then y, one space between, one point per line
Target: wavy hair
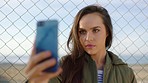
74 63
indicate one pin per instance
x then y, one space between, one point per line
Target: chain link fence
18 24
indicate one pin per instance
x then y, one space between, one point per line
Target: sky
18 20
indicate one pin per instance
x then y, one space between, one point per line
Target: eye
96 30
82 32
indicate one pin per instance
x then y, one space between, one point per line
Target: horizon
18 24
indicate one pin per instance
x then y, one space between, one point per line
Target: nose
89 36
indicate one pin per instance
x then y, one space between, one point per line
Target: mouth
89 46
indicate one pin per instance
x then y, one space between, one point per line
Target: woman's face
92 33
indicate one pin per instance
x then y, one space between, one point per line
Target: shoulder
114 59
63 59
120 67
118 64
58 79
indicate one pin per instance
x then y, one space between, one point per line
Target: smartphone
47 40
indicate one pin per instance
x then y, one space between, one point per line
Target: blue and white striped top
100 76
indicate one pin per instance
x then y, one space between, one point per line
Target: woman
89 60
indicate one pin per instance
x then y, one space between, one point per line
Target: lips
89 46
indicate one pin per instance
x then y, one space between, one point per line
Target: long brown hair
74 63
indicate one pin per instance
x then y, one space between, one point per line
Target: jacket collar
111 58
88 58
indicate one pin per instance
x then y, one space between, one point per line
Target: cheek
100 37
103 38
81 39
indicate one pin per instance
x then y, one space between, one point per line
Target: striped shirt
100 76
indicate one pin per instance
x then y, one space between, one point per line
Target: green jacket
115 71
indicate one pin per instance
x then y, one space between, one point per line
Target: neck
99 58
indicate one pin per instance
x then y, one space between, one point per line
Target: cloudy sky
18 24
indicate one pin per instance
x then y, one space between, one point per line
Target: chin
90 52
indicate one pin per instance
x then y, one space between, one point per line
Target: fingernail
52 60
47 52
41 73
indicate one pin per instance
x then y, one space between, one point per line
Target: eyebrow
90 28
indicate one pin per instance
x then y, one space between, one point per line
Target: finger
51 74
41 56
36 59
33 52
54 74
47 64
45 77
40 79
37 70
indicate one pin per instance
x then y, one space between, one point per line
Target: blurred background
18 20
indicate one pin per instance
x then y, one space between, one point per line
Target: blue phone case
46 40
